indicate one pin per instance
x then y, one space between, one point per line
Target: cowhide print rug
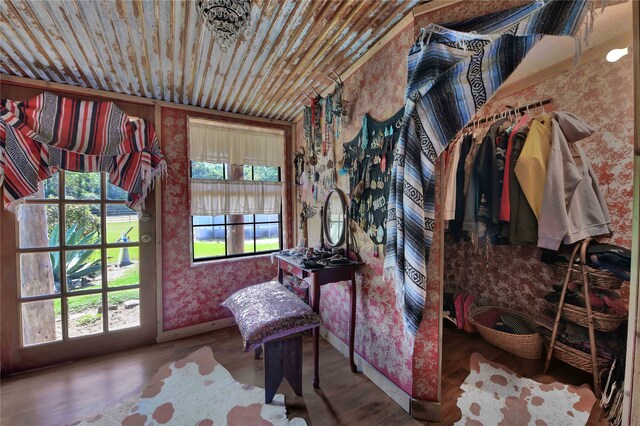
494 395
196 391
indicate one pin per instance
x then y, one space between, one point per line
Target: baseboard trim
425 410
387 386
192 330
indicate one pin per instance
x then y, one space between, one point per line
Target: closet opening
536 206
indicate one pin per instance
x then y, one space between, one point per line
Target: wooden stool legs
282 359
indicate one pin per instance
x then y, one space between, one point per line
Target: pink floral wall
191 294
600 93
377 88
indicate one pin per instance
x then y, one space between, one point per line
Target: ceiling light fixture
616 54
226 19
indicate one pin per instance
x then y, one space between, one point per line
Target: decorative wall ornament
365 160
226 19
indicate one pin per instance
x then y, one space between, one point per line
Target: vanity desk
334 228
319 277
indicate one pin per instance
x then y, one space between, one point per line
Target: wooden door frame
17 358
631 402
10 356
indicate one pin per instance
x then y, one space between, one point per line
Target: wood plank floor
66 393
458 347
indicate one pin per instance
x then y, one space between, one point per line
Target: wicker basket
527 346
575 357
578 315
599 278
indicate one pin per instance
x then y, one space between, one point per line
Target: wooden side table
320 277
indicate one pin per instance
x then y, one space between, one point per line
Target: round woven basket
527 346
599 278
578 315
575 357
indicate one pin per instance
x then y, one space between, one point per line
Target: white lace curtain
219 143
214 142
214 197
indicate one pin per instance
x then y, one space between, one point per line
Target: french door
78 273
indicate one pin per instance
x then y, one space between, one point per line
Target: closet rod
521 110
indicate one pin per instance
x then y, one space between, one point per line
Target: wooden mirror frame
325 219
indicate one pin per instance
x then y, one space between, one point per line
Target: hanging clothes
523 225
486 171
505 205
453 70
450 185
50 133
573 207
456 223
531 168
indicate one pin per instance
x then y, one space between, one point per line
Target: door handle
146 238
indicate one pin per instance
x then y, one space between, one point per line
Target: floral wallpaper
377 88
191 294
513 275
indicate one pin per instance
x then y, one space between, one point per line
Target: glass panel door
79 258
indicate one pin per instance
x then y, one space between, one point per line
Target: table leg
280 274
315 304
352 319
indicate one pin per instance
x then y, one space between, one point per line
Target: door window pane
122 224
39 273
84 270
82 224
48 189
81 186
84 315
124 309
125 275
208 241
41 322
39 225
115 192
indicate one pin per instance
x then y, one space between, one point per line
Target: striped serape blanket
453 70
50 133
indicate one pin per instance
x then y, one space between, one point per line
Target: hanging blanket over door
50 133
453 70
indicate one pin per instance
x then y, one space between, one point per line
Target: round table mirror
334 217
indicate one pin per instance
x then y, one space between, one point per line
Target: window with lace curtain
236 190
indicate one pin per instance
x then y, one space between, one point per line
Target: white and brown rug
494 395
196 390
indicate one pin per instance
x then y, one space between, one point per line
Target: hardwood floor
458 347
66 393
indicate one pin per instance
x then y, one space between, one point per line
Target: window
234 235
236 192
78 260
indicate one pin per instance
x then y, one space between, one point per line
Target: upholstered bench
269 314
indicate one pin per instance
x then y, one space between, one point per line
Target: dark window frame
227 224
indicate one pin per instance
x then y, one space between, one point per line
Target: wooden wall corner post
158 230
631 401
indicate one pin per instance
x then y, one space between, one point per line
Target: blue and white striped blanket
453 70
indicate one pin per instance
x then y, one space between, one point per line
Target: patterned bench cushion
269 311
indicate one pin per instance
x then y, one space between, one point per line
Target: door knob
146 238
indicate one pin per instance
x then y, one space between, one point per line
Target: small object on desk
312 264
340 261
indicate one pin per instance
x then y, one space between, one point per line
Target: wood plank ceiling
160 49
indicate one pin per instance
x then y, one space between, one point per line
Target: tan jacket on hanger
573 207
531 168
